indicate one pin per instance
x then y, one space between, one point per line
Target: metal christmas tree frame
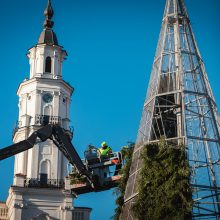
180 107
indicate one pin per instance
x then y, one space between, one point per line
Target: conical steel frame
180 107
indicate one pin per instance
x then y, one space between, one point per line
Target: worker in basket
105 150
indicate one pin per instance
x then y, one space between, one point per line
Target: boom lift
94 169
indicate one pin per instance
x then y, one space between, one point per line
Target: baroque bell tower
38 190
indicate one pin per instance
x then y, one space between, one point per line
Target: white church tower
38 190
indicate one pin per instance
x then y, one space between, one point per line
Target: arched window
48 65
44 167
47 114
44 171
47 110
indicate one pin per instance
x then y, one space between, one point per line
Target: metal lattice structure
180 107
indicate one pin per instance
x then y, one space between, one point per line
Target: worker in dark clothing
105 150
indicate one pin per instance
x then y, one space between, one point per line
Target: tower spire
48 12
48 36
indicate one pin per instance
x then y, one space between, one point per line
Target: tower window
48 65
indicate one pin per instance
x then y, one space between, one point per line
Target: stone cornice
46 80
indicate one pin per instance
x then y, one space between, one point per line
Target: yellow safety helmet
104 144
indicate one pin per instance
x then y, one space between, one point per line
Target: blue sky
111 46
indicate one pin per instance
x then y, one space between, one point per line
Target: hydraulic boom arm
43 133
60 139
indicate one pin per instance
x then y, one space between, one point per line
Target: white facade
38 55
33 111
36 207
43 204
45 96
3 211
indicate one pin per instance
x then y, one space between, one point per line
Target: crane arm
60 139
43 133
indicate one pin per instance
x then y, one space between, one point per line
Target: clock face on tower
47 97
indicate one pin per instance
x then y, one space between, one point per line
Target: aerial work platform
94 173
106 172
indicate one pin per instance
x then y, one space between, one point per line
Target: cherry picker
94 169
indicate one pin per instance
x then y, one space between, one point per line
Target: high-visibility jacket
105 152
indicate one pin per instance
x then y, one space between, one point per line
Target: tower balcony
42 120
46 119
55 120
44 183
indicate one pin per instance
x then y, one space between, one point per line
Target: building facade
79 213
3 211
39 190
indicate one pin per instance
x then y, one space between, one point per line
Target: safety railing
45 183
46 119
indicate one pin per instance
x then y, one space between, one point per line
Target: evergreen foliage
163 186
120 190
77 178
